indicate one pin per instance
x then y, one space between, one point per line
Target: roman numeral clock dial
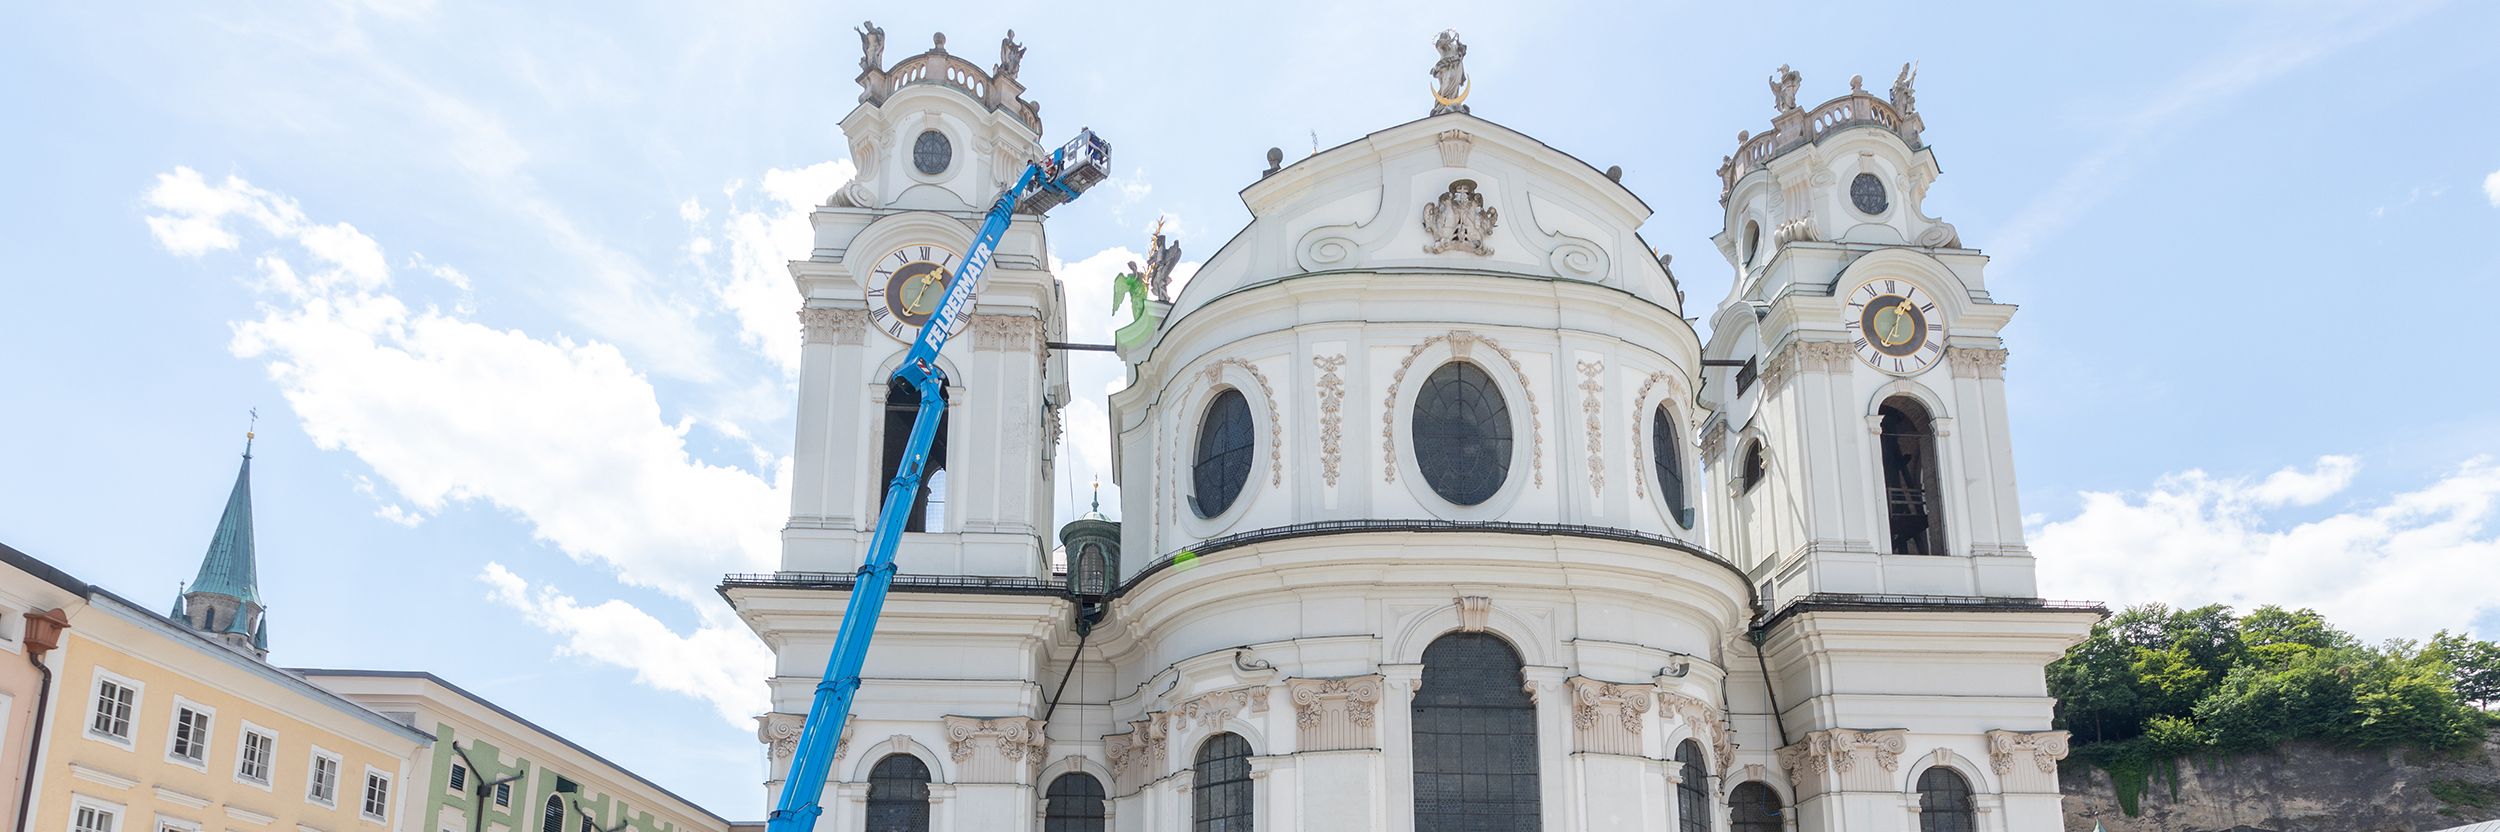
1894 327
905 287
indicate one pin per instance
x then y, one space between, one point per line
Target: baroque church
1436 513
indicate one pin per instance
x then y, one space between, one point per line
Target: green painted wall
534 782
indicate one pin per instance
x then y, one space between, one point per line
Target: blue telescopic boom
1070 170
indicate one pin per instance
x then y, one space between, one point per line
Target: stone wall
2300 787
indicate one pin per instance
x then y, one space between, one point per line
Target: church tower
1862 479
223 601
935 137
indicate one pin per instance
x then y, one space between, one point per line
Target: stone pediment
1451 193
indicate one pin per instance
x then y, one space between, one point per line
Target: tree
2095 687
2473 666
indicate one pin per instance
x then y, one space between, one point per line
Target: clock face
905 287
1896 326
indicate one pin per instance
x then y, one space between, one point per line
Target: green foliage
2155 684
2466 794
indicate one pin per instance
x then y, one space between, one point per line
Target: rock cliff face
2297 788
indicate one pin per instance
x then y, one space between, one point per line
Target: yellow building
175 724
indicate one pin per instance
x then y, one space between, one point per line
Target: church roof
230 566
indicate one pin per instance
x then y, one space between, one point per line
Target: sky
507 286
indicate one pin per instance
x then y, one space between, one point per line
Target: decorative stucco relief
1607 718
1209 711
1592 404
1331 414
1704 722
1640 422
1842 759
1014 333
2027 760
1461 344
1976 363
1334 714
1001 750
1214 374
840 327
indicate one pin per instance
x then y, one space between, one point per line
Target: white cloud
720 662
566 435
763 240
2491 187
2403 566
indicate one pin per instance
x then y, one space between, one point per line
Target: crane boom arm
1045 184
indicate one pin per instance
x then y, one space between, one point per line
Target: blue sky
505 285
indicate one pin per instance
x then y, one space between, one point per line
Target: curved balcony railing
947 69
1798 127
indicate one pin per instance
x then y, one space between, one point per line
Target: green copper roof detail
260 637
229 568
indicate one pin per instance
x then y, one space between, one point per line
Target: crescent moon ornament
1465 87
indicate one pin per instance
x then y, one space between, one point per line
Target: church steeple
224 599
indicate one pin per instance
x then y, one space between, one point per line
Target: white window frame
169 823
503 793
113 812
312 777
242 749
138 698
457 782
364 795
207 734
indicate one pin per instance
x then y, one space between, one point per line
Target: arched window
1074 804
1753 468
1219 790
1462 434
553 819
902 406
1944 803
588 825
1666 445
1908 450
1225 443
898 795
1753 807
1692 791
1475 738
1093 571
1753 240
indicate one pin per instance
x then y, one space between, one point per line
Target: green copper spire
229 568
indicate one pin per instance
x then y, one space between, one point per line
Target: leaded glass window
1867 193
1225 443
1944 802
1075 804
932 152
1692 790
898 795
1908 448
1475 739
1220 790
1666 444
1753 807
1462 434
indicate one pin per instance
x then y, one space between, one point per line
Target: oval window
1664 444
1462 434
1225 443
931 153
1867 193
1753 240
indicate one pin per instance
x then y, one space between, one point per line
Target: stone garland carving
1607 718
1335 714
1331 414
1210 710
1461 342
1640 409
1001 750
1590 405
1976 363
841 327
1707 723
1214 374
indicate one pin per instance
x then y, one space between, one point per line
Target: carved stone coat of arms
1460 221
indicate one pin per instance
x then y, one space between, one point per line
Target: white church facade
1436 513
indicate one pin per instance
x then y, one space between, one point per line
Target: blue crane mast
1070 170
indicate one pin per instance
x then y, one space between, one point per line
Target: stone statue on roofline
1161 256
1784 84
1449 74
871 46
1904 98
1010 57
